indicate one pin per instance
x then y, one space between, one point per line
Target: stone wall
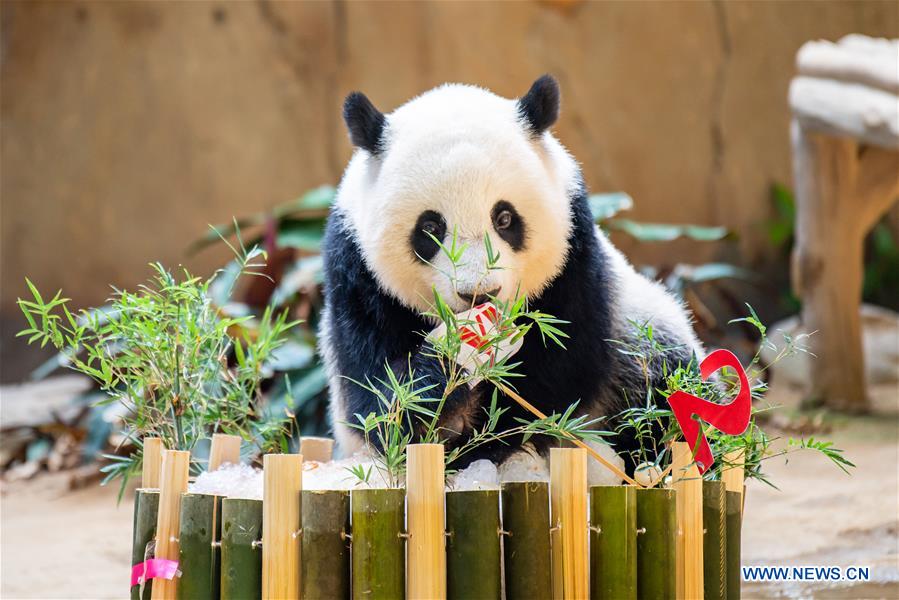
127 127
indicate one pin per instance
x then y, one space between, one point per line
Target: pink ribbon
732 418
153 568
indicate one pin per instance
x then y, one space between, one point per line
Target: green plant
181 367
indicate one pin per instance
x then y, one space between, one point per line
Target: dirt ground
62 544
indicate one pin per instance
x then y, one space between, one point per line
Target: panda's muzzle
474 300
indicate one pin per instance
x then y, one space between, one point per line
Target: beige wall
128 127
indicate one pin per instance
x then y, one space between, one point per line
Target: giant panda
460 158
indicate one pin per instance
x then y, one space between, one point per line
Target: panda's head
460 162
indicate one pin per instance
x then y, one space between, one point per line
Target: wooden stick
173 483
734 502
224 449
282 484
714 548
526 548
426 571
241 555
146 508
687 482
568 494
151 463
201 526
596 455
318 449
326 552
656 541
474 565
379 563
733 476
613 542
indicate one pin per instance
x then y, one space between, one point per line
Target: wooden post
151 463
224 449
146 509
613 542
326 552
173 483
379 565
201 527
687 481
734 503
426 549
318 449
656 544
714 548
734 476
241 555
282 484
526 547
568 493
474 565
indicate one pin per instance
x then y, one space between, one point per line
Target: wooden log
568 503
426 551
378 546
714 547
317 449
173 483
281 510
326 551
151 463
474 564
223 449
613 542
526 545
146 508
734 502
656 544
687 481
241 552
201 528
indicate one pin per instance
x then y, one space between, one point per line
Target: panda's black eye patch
509 224
429 225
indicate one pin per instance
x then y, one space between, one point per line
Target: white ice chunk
479 475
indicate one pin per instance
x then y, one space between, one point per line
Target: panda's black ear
365 122
540 106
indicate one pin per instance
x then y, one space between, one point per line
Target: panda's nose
474 300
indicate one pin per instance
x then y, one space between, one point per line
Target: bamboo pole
326 552
714 547
656 540
241 554
173 483
224 449
687 481
377 549
146 507
151 463
473 559
318 449
734 502
426 550
613 542
733 476
199 558
568 495
526 545
282 484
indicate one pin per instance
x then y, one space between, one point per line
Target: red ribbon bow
730 418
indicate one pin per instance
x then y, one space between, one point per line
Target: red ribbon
732 418
153 568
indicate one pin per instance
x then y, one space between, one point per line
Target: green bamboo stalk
613 542
734 504
528 572
146 507
378 548
241 556
656 541
326 551
201 527
714 541
473 548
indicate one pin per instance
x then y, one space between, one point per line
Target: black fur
365 122
423 245
369 328
516 233
540 106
